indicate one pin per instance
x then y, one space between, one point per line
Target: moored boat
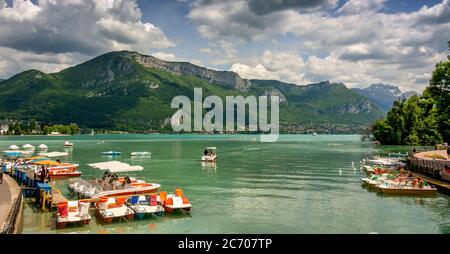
64 170
111 185
406 190
111 153
146 205
175 202
72 212
68 144
108 209
141 154
209 155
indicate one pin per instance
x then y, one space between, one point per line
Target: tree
411 121
17 129
439 90
74 129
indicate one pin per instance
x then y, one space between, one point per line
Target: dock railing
430 168
9 226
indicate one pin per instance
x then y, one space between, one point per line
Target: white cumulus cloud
71 29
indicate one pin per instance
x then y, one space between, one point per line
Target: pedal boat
109 209
175 202
146 205
72 212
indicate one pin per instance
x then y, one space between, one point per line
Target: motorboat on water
397 189
371 181
175 202
209 155
141 154
111 153
64 170
385 162
57 169
68 144
111 185
375 170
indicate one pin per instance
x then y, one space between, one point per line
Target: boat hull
172 209
62 225
65 175
128 192
416 192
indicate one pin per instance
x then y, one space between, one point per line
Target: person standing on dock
47 175
42 174
1 174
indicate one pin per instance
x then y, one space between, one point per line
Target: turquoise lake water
291 186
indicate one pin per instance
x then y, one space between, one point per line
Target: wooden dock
438 183
58 198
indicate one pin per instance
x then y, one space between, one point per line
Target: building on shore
4 126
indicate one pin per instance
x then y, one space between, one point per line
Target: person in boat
421 184
126 183
415 182
205 152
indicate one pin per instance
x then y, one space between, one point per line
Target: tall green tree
439 90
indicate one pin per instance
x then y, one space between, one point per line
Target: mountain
133 92
384 95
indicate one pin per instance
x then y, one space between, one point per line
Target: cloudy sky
357 42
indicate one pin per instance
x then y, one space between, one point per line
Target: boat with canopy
111 185
209 155
13 147
17 154
28 147
56 169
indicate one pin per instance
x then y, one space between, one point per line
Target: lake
291 186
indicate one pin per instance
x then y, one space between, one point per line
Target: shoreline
175 133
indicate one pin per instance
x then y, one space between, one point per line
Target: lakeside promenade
9 190
428 166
